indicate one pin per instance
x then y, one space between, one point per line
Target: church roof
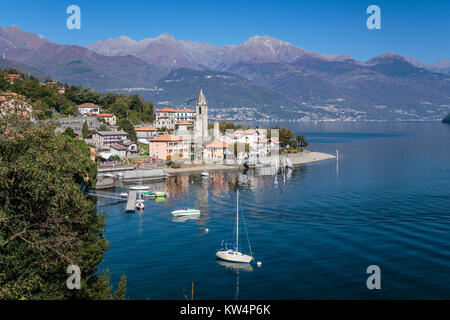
201 98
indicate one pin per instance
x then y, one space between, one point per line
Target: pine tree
121 291
85 131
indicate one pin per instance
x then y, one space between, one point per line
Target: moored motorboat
140 205
160 194
185 212
139 187
204 174
148 194
124 195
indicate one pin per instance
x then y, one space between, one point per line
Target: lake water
386 202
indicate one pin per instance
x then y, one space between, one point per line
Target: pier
104 196
131 201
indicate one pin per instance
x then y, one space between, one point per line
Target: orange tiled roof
145 129
166 110
101 115
184 123
167 138
88 105
185 110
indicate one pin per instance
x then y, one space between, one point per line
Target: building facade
146 132
102 139
169 144
108 118
169 117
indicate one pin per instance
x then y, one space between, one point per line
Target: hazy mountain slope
6 64
441 66
76 65
222 89
79 66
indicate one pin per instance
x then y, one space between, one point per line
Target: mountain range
275 78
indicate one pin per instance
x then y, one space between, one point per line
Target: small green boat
157 194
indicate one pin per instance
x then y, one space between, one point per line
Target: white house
89 108
119 150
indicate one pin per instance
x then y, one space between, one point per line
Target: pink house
169 144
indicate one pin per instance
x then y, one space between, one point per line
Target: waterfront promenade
296 159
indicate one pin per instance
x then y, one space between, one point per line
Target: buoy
206 230
259 264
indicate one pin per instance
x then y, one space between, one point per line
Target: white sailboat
234 255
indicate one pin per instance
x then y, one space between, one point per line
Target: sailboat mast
237 221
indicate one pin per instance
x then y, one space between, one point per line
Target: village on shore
177 140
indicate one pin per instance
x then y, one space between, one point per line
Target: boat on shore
204 174
186 212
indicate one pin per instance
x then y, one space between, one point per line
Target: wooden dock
131 202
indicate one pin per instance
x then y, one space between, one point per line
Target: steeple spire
201 100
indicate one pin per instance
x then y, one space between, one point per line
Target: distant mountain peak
387 57
165 36
266 40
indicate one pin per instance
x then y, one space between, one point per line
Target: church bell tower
201 118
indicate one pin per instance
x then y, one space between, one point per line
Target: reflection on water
235 268
384 202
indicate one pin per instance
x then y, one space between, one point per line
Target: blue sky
419 29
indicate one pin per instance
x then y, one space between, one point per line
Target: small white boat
139 187
185 212
124 195
204 174
140 205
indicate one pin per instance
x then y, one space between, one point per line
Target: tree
103 127
125 125
285 136
69 132
302 143
85 130
121 289
4 84
46 222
